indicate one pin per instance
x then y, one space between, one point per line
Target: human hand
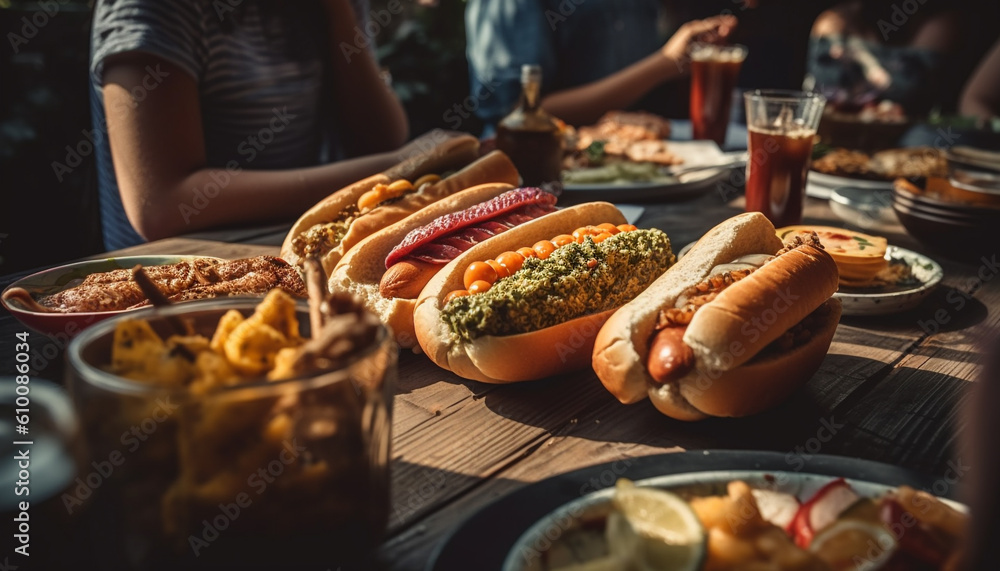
710 30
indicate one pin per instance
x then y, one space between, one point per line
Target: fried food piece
740 539
251 346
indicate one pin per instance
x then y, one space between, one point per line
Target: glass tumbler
714 71
782 126
275 473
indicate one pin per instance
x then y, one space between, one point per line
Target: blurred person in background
981 94
596 56
979 445
221 113
865 52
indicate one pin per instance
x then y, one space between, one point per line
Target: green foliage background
424 49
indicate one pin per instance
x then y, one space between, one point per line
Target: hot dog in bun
336 224
389 269
527 303
733 328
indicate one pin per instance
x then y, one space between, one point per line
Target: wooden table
892 389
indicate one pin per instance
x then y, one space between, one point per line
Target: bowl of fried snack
236 431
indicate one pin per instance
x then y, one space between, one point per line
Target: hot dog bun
511 358
361 269
452 154
723 334
495 167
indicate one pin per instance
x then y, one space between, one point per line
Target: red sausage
669 357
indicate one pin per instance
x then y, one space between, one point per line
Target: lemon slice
670 535
854 544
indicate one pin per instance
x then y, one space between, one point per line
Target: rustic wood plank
194 246
570 449
271 235
915 414
473 437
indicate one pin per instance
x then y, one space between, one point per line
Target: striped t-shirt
261 80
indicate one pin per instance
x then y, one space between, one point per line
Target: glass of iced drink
782 126
204 469
714 70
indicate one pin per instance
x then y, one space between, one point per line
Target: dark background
44 105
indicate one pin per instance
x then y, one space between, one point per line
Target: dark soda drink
537 154
714 70
530 136
776 173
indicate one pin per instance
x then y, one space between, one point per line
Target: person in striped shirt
210 113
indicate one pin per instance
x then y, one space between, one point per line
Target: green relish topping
564 286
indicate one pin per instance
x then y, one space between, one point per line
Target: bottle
530 136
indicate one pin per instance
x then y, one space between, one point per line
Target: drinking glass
782 125
261 473
714 70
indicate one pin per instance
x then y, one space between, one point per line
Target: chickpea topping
479 271
454 294
479 286
501 271
527 252
480 276
562 240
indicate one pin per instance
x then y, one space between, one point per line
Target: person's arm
359 86
585 104
158 150
981 94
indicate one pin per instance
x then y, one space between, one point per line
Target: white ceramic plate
894 299
667 188
523 556
889 299
487 537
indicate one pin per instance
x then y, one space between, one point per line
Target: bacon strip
485 220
